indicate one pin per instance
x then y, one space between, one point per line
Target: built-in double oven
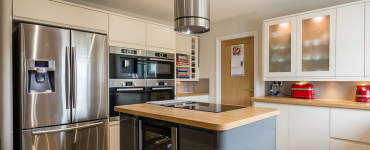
138 76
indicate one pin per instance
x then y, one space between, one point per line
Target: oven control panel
129 84
161 83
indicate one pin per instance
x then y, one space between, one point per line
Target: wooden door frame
258 84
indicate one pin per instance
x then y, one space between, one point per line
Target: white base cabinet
200 98
282 126
308 127
341 145
114 136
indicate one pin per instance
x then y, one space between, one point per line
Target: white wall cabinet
279 50
282 124
126 32
200 98
114 135
367 40
160 38
350 124
350 47
341 145
316 44
183 43
59 14
308 127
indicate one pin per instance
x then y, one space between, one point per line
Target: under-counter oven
126 63
125 92
157 135
158 90
160 65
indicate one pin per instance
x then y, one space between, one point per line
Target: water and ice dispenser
41 77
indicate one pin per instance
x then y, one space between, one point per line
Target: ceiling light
192 16
318 18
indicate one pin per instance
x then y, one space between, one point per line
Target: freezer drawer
79 136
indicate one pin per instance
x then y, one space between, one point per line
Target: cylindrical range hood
192 16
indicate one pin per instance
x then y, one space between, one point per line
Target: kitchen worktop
185 94
208 120
350 104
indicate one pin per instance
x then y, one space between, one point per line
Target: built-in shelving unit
187 68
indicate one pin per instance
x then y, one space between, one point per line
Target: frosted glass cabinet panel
279 50
316 44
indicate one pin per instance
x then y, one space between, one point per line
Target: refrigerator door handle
174 138
38 132
68 76
74 76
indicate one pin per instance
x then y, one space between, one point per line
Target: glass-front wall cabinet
316 44
279 48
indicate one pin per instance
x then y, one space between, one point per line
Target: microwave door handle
164 88
162 60
173 138
38 132
132 89
74 76
68 76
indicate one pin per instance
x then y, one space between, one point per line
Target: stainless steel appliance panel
80 136
162 55
38 43
89 76
124 82
151 83
127 51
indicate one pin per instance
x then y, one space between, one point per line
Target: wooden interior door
234 90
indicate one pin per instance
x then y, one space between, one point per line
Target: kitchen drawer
114 132
350 124
341 145
201 98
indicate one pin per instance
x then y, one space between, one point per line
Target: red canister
363 93
302 90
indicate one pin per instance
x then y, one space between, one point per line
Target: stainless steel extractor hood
192 16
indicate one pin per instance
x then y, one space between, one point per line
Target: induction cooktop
210 107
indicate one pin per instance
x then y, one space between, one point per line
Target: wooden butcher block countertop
209 120
350 104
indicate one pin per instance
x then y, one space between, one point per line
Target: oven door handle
162 60
132 89
164 88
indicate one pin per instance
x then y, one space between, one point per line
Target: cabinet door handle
251 89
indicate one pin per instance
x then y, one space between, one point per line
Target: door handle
74 76
161 60
132 89
174 138
68 76
165 88
251 89
38 132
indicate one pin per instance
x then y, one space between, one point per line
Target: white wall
245 23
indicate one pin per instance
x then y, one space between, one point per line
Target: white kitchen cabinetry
200 98
282 126
126 32
316 34
279 49
308 127
350 47
367 40
160 38
341 145
114 135
183 43
60 14
350 124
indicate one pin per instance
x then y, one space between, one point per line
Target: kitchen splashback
324 89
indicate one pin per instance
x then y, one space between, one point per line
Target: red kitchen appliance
302 90
363 93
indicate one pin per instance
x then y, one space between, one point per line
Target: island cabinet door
308 128
191 138
279 49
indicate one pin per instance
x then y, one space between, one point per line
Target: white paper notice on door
237 60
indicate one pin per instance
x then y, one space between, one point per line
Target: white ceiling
220 9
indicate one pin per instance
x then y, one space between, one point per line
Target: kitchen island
147 125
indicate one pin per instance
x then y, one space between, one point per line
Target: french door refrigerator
60 89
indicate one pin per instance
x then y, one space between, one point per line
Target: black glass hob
210 107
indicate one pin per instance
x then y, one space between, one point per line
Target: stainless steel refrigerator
60 89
